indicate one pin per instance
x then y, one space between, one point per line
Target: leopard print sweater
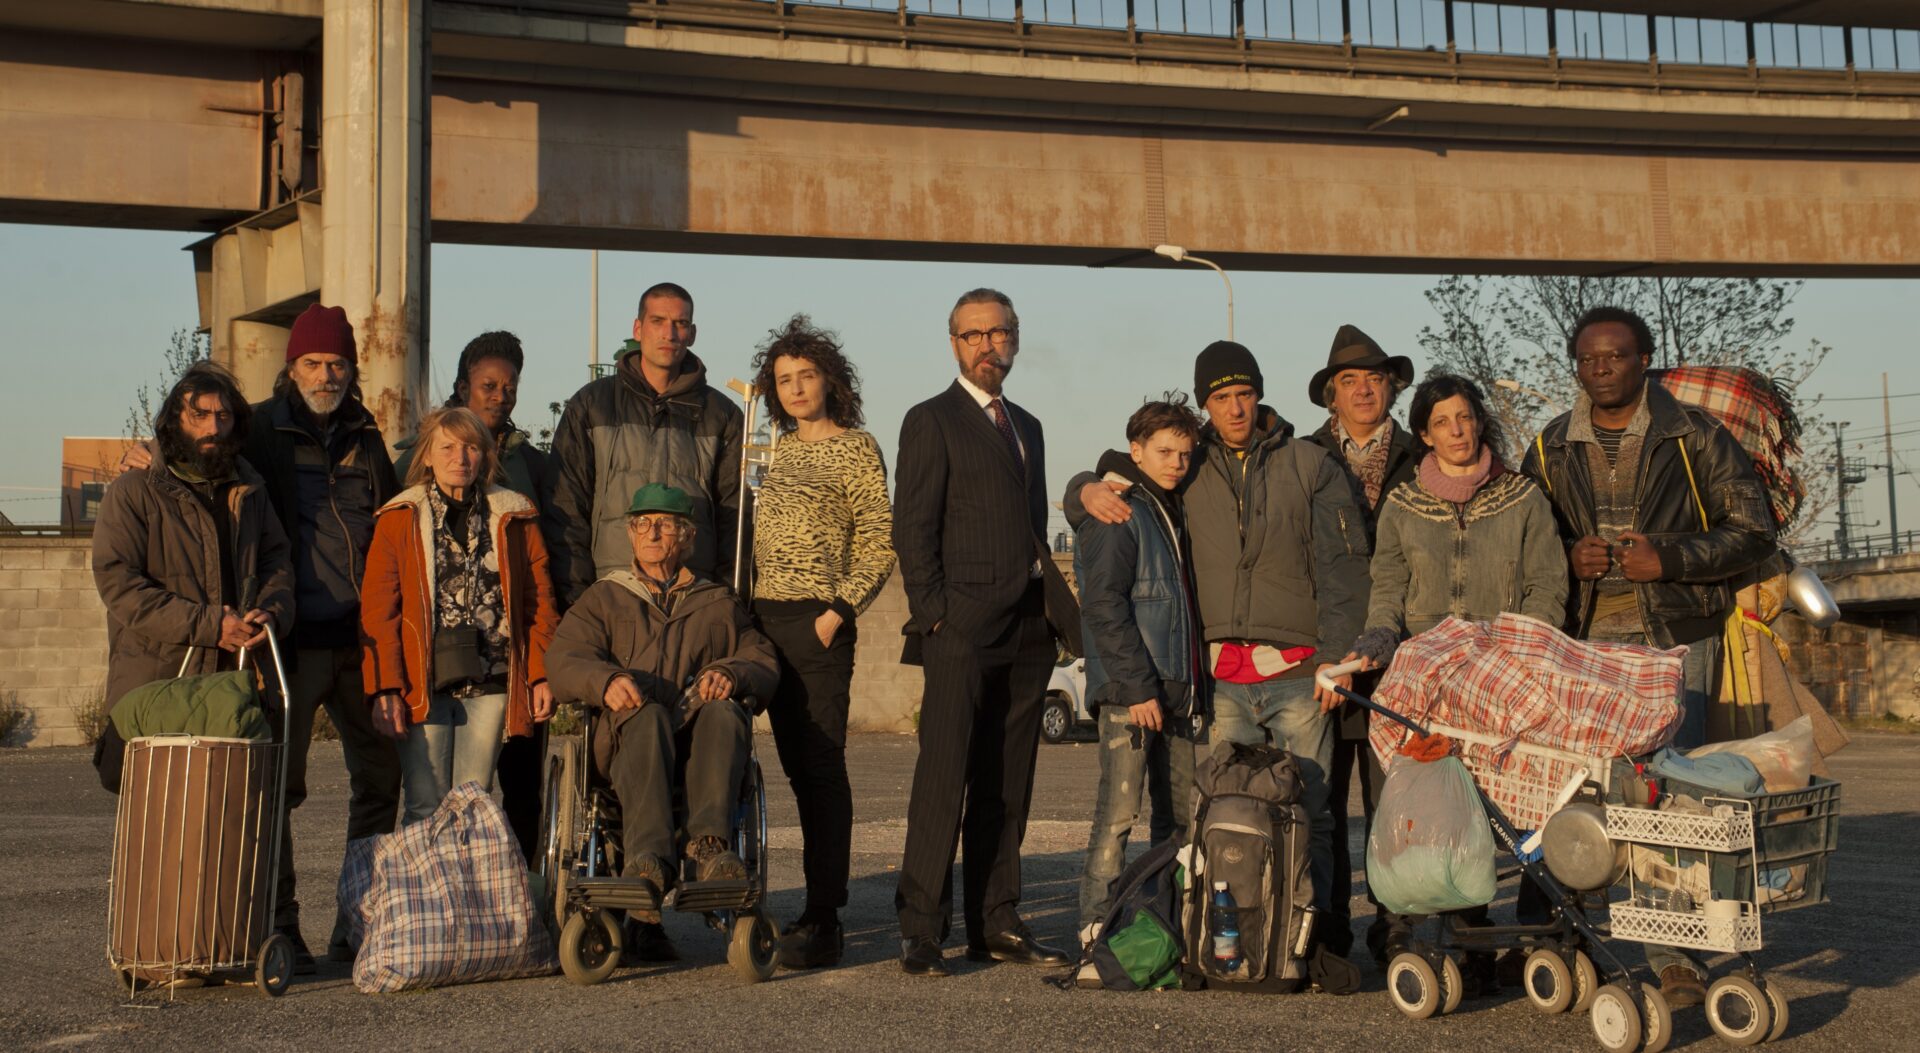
822 525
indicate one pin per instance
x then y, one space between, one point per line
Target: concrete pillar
373 164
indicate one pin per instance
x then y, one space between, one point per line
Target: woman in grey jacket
1465 538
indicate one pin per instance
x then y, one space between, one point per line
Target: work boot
651 872
1681 987
303 964
809 944
646 941
714 861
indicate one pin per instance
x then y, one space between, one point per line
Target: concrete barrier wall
53 636
53 644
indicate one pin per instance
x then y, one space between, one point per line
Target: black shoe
811 945
1477 975
921 956
1016 945
340 951
647 941
303 964
1511 969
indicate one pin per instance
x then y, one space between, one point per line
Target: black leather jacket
1694 594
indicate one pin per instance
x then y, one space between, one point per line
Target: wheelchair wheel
751 949
557 822
590 946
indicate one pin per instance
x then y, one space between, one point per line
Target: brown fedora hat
1353 349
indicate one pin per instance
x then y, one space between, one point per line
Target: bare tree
184 348
1517 329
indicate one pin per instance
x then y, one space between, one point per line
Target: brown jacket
397 604
616 627
156 562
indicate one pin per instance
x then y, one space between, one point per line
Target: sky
88 315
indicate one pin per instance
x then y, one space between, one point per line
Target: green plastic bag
1430 849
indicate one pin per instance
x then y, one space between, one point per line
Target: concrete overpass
322 144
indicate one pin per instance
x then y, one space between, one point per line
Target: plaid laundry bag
443 901
1521 680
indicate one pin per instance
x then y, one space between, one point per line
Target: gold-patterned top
822 526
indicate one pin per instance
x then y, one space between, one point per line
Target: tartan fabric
1758 414
1523 680
443 901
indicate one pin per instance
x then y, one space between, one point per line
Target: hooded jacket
616 435
397 607
1136 602
1693 596
617 627
156 562
1279 547
325 489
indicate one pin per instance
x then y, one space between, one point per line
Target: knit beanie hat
322 331
1224 364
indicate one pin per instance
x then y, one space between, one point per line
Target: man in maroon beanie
327 472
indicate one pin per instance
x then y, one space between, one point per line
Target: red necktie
1006 431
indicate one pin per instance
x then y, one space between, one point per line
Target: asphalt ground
1849 967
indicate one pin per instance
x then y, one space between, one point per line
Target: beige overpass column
373 159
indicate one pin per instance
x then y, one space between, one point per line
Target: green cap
659 497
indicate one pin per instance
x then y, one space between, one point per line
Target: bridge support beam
374 228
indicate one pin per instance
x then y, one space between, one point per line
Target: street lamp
1180 255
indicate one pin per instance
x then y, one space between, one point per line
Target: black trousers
1349 756
979 728
518 771
809 717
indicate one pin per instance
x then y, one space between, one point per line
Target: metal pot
1577 850
1807 594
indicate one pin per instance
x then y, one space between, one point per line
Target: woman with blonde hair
456 613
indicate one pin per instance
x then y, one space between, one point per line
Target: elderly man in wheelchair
668 663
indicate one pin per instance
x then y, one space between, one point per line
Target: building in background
87 465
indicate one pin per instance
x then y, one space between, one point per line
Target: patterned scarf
466 579
1368 462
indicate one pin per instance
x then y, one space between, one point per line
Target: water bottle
1226 930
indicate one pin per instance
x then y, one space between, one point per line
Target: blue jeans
458 742
1129 756
1697 674
1283 713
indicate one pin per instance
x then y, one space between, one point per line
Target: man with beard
968 512
654 420
189 559
326 472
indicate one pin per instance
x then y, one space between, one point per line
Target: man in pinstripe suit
969 509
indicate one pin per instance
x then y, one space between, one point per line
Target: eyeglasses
972 337
665 526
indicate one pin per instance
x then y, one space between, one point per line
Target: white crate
1728 829
1691 930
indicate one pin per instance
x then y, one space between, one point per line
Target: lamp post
1180 255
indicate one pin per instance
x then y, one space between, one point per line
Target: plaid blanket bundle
443 901
1759 414
1518 679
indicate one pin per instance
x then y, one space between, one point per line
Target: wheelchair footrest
615 893
696 897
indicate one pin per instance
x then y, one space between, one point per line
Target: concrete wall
1866 666
53 635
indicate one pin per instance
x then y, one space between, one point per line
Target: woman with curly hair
821 552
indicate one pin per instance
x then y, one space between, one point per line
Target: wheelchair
580 859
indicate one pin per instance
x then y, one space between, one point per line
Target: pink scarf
1459 489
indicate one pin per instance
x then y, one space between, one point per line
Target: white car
1065 711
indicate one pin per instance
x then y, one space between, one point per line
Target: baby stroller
580 858
1593 819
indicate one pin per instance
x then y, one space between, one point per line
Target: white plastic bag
1430 849
1784 757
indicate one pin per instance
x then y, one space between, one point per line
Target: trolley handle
1325 677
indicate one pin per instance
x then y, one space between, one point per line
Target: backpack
1138 945
1250 830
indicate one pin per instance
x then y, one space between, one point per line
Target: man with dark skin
1660 509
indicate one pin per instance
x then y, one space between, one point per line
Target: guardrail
8 530
1868 547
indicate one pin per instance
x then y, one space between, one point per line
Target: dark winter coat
1136 606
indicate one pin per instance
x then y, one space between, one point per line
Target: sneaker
811 945
1682 987
646 941
714 861
303 964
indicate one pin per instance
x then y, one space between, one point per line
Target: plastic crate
1793 829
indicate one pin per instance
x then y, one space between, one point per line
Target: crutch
746 392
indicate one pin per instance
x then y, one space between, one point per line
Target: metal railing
1869 546
8 530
